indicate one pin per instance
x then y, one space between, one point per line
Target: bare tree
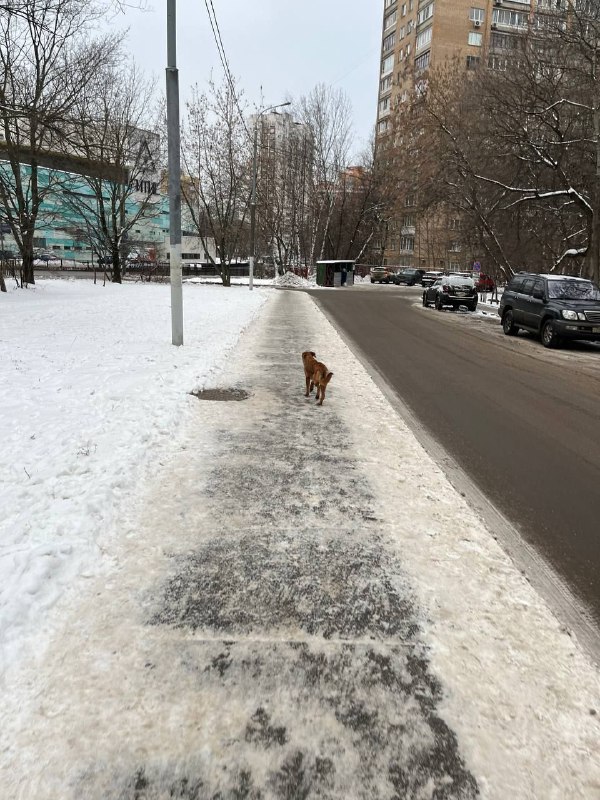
217 162
519 148
112 133
327 113
284 168
48 57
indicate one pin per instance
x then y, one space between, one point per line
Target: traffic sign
477 266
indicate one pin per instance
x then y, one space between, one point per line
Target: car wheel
472 307
438 303
372 281
425 303
549 336
508 325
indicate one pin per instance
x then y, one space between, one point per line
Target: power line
214 24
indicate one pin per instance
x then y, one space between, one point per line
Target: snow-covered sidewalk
91 394
281 610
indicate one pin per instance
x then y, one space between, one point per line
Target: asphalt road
523 422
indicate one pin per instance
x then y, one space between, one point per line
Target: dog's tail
328 377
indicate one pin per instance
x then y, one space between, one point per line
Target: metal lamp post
173 137
253 194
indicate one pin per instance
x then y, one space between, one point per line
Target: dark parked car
555 307
409 276
429 277
451 290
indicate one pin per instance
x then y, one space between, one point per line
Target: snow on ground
293 280
91 393
358 533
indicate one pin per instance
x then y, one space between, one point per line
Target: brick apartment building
416 36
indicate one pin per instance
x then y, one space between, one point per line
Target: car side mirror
538 294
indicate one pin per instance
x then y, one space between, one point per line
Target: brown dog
309 361
316 374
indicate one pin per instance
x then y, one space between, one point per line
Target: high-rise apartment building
418 35
284 177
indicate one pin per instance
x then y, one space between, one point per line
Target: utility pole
174 176
253 194
253 209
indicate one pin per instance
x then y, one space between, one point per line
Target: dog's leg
318 385
326 380
308 381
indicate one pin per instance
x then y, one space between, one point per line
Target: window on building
407 50
390 20
409 26
409 201
387 65
512 19
402 32
422 62
454 246
505 41
472 62
475 38
382 126
476 14
389 42
403 10
408 221
384 106
407 243
498 63
386 84
410 5
425 14
454 224
389 3
549 22
424 38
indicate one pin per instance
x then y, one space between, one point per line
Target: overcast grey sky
287 46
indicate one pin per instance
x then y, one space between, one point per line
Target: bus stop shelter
335 273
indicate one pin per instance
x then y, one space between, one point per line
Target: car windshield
573 290
457 280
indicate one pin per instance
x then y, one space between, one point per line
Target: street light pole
253 209
174 177
253 193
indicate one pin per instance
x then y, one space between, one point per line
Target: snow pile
290 279
91 393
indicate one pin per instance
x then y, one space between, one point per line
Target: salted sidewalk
291 615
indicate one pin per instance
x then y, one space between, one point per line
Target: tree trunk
593 257
116 270
27 267
2 281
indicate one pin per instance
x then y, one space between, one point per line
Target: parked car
484 283
555 307
451 290
409 276
380 275
430 276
